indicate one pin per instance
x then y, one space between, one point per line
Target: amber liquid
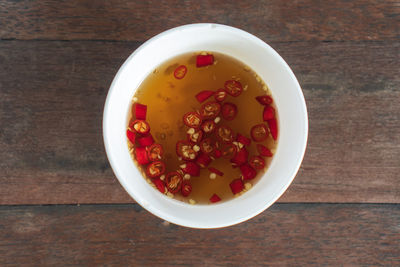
168 99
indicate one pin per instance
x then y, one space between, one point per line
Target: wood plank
52 95
122 235
139 20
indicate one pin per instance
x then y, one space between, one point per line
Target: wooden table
61 203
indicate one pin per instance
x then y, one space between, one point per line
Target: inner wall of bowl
269 66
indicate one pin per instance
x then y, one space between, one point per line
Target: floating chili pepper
155 152
196 136
146 140
259 132
229 111
248 172
220 95
186 188
192 119
225 134
264 151
208 126
140 111
140 126
185 150
207 146
215 198
204 60
191 168
273 127
155 169
204 95
141 155
257 162
131 136
228 150
203 160
173 181
268 113
241 157
180 72
216 171
236 186
234 88
243 139
159 184
264 100
210 110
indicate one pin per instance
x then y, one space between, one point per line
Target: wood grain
139 20
121 235
52 95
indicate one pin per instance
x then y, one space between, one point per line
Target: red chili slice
236 186
220 95
229 111
155 169
248 172
228 151
217 153
140 111
203 160
210 110
192 119
208 126
241 157
191 168
159 184
204 60
268 113
141 155
207 146
257 162
215 198
131 136
243 139
146 140
196 136
259 132
216 171
185 150
204 95
173 181
264 151
180 72
155 152
140 126
234 88
264 100
273 127
186 188
225 134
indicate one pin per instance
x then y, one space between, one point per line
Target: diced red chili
268 113
220 95
248 172
159 184
216 171
241 157
173 181
155 169
208 126
234 88
141 155
210 110
257 162
215 198
204 60
185 150
146 140
229 111
180 72
191 168
207 146
155 152
228 151
259 132
140 126
192 119
243 139
225 134
196 136
264 100
140 111
236 186
264 151
131 136
203 160
186 188
204 95
217 153
273 127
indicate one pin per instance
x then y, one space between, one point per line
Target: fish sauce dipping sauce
202 128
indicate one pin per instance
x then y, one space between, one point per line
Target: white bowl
286 91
